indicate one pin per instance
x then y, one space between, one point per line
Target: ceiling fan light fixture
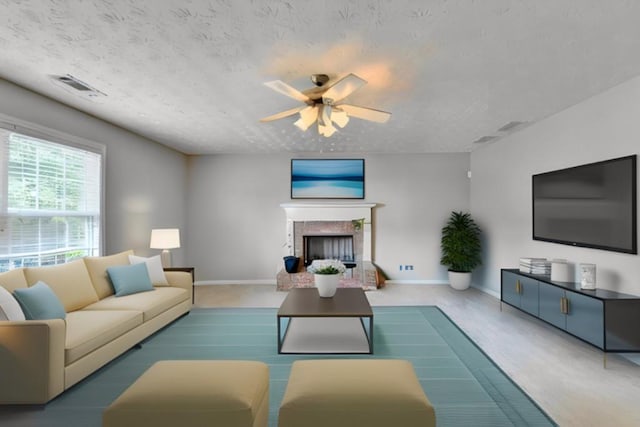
326 130
324 115
308 116
339 117
300 124
325 106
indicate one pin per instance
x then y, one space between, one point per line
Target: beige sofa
39 359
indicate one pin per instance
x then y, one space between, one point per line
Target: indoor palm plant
327 275
461 250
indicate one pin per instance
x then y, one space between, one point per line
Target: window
50 201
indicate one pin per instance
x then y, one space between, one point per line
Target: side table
191 270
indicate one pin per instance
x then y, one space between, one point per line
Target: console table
605 319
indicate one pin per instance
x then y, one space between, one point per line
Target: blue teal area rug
465 387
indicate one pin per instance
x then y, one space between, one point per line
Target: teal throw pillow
38 302
130 279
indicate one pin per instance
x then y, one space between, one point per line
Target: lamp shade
165 238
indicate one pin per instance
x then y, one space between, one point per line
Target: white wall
237 227
145 181
603 127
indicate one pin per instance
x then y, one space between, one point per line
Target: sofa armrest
180 279
31 360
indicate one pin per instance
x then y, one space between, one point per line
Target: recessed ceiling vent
484 139
75 85
510 126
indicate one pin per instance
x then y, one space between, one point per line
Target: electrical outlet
408 267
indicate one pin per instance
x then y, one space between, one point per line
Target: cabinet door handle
518 287
562 305
566 306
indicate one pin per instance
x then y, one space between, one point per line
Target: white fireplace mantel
328 211
348 211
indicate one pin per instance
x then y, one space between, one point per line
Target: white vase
326 284
459 281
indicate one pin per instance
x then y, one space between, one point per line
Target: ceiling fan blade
284 114
308 116
342 88
285 89
365 113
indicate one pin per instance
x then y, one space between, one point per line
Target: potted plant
461 250
327 274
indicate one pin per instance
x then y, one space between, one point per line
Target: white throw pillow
9 307
154 267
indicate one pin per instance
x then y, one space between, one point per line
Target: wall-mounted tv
591 205
327 178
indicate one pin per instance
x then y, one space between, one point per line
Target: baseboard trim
235 282
415 282
491 292
272 282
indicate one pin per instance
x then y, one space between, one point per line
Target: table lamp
165 239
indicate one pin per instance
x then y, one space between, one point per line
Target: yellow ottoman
352 392
195 393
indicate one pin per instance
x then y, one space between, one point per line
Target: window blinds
50 201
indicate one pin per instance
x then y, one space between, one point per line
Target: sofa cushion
88 330
130 279
154 267
9 307
13 279
97 267
150 303
70 282
38 302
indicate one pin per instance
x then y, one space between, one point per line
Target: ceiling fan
323 104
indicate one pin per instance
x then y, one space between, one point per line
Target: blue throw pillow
130 279
38 302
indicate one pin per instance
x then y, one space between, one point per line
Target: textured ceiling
189 74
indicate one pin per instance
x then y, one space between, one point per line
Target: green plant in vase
461 249
327 275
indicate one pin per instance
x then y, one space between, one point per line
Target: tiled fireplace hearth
330 230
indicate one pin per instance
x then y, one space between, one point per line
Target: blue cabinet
585 318
521 292
606 319
552 306
579 315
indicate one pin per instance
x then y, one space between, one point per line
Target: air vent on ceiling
74 83
484 139
68 81
509 126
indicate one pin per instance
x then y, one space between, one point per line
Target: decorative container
459 280
326 284
588 276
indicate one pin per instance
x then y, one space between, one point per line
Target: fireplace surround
358 215
344 232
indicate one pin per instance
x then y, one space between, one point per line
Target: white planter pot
326 284
459 281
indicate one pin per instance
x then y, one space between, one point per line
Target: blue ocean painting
327 178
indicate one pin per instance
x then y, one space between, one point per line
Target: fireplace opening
328 247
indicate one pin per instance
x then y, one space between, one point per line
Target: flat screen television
592 205
327 178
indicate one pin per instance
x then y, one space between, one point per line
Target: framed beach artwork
327 178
